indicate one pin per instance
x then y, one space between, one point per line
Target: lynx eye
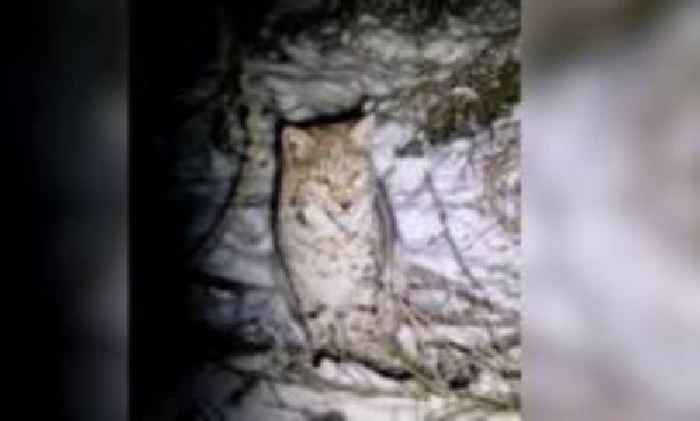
301 218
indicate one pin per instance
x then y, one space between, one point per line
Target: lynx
330 231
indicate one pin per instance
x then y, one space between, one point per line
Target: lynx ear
296 143
360 132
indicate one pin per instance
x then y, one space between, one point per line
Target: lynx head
331 164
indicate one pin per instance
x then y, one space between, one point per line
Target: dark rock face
209 291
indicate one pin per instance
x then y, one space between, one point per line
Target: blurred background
65 102
611 207
611 163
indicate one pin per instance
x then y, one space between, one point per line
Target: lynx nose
345 205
